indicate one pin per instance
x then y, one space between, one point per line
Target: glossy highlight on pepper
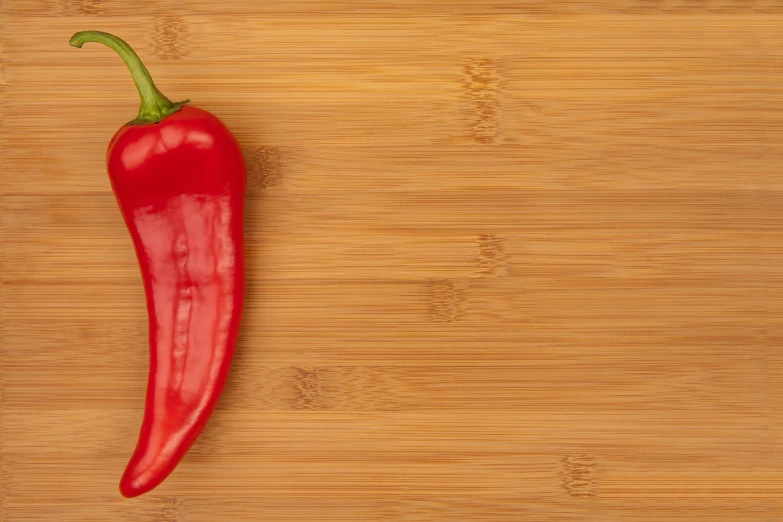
179 179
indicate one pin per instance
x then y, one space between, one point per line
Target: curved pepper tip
128 492
130 488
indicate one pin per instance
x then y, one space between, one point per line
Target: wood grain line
263 167
482 89
492 256
80 7
579 475
170 38
173 510
447 301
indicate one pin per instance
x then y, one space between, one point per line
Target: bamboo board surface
507 260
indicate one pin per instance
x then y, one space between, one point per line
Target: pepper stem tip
154 105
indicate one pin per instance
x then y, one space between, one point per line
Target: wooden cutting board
508 260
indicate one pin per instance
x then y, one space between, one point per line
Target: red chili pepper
179 178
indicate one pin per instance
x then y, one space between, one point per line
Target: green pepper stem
154 105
